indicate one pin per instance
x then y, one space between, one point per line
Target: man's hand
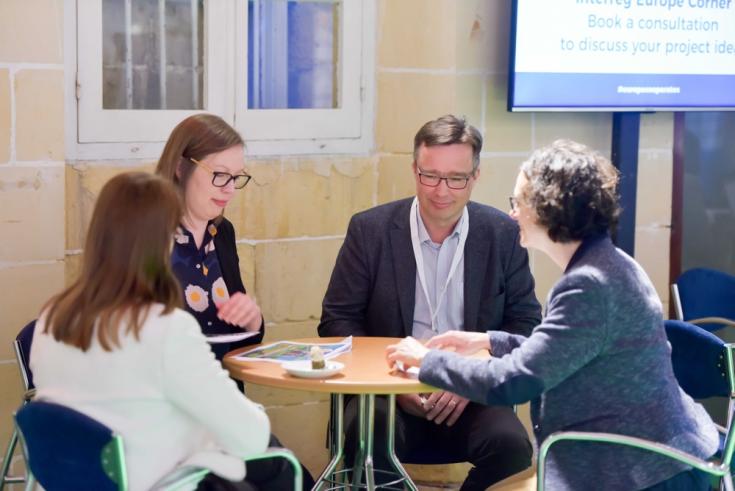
444 406
440 407
411 404
464 343
240 310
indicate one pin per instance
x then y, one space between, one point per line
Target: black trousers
491 438
260 475
691 480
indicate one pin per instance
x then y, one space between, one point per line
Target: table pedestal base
362 473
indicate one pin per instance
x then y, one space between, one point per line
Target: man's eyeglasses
453 182
222 179
513 203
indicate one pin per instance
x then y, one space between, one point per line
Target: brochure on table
291 351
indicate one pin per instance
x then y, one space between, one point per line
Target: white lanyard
418 255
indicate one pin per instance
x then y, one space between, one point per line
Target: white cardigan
166 395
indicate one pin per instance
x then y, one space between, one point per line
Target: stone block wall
32 196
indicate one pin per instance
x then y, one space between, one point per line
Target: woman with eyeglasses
205 158
599 361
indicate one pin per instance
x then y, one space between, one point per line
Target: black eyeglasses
432 180
222 179
513 203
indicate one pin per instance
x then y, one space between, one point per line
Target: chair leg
727 482
30 482
8 458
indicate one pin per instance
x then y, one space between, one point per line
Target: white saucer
303 369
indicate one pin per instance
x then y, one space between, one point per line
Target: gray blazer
599 361
373 285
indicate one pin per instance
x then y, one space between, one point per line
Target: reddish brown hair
194 138
126 264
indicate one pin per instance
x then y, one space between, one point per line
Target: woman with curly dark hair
599 361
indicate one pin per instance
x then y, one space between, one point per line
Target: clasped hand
439 407
240 310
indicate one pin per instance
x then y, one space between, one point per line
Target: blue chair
704 367
705 297
22 349
64 447
67 450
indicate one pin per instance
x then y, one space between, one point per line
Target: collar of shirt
424 234
183 237
437 259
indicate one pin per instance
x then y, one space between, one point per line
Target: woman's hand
409 352
464 343
240 310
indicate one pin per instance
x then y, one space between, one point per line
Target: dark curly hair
573 190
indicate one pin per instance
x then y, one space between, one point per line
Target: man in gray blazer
426 265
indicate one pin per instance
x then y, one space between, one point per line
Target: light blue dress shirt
437 262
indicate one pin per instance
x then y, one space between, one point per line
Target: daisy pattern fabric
200 277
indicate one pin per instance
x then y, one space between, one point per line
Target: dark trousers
260 475
692 480
491 438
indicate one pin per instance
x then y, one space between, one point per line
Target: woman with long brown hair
116 346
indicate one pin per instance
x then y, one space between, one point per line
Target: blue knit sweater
599 361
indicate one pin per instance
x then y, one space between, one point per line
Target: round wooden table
366 374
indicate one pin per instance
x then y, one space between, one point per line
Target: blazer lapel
476 251
404 265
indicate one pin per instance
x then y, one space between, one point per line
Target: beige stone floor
524 481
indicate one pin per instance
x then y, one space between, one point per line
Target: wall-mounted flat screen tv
622 55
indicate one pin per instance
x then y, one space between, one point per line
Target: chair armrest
284 453
713 320
185 478
181 478
711 468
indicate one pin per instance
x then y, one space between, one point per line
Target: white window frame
94 133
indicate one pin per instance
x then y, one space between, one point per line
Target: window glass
708 206
708 212
293 54
152 54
